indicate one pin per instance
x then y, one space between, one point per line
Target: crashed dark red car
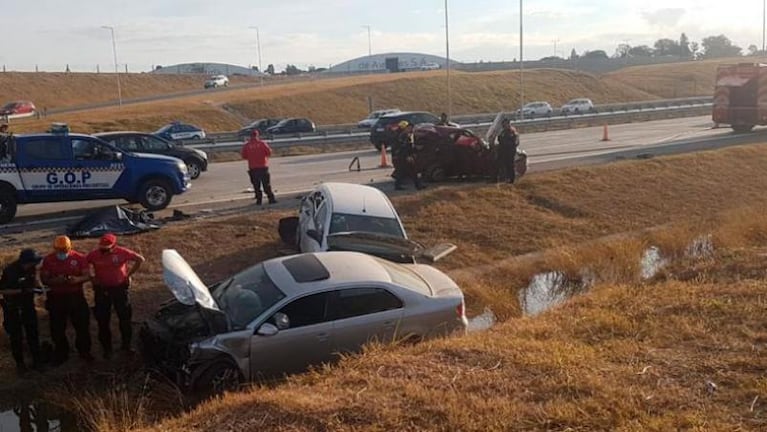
18 109
444 152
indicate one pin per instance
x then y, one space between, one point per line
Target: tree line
710 47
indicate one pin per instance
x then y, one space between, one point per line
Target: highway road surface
228 182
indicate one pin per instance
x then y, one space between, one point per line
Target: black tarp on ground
116 220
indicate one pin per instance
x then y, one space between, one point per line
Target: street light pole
370 41
521 65
117 70
447 64
764 25
258 45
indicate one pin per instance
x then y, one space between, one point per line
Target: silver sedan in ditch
287 313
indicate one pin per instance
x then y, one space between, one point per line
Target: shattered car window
341 222
247 295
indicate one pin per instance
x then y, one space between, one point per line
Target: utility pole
370 41
447 65
764 25
258 47
117 70
521 65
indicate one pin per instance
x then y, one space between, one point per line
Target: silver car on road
287 313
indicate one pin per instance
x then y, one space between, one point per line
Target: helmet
62 243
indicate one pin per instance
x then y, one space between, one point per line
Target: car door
96 167
364 314
44 163
154 145
305 337
307 222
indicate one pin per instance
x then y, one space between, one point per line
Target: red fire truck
740 98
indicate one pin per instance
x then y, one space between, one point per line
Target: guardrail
606 114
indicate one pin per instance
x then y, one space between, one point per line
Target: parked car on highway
578 106
535 109
358 218
261 125
17 109
292 125
287 313
60 167
374 116
384 132
137 142
217 81
178 131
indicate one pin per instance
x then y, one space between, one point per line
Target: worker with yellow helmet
64 272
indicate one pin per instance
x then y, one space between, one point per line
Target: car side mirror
314 235
267 329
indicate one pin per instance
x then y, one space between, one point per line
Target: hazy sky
52 33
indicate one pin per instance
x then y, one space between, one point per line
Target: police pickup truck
55 167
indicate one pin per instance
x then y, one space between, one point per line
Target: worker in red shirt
112 267
257 152
64 272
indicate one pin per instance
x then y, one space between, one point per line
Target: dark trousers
105 299
404 170
259 178
74 308
20 318
506 167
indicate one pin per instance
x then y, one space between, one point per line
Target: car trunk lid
389 247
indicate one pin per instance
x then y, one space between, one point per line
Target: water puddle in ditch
652 263
545 291
37 417
482 322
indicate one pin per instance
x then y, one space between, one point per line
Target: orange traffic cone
384 161
605 136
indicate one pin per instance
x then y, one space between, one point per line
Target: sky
50 34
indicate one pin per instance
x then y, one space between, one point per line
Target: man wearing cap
17 288
113 267
64 272
257 152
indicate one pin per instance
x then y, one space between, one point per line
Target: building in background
206 69
390 62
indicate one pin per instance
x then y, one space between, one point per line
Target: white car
535 109
217 81
430 66
351 217
374 116
578 106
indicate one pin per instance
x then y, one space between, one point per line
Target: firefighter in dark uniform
508 141
403 155
17 286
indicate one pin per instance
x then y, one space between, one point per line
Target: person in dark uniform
5 138
508 141
64 272
443 121
404 158
17 287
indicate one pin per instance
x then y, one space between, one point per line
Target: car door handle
322 337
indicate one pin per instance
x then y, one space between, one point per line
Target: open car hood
389 247
183 282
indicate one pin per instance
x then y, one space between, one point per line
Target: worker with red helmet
257 153
64 272
112 268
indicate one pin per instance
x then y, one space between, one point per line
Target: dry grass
563 212
345 100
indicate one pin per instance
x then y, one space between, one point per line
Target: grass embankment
491 225
345 100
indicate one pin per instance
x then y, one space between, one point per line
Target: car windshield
405 277
164 128
247 295
10 106
341 222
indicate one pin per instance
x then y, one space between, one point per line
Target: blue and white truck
57 167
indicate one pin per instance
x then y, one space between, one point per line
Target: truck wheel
194 169
435 173
219 377
742 128
8 205
155 195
